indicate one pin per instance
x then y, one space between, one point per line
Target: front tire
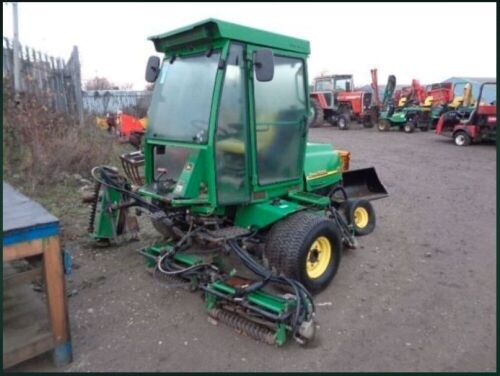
361 215
461 138
384 125
305 247
343 122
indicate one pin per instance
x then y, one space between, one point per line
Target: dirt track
419 295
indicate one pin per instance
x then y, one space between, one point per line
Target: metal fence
100 102
53 80
58 83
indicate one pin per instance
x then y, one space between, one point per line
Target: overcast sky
427 41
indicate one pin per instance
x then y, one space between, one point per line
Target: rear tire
409 127
305 247
316 116
461 138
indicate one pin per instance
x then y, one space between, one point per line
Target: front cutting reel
258 308
267 307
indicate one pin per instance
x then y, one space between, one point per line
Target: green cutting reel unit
252 215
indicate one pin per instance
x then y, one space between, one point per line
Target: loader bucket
363 183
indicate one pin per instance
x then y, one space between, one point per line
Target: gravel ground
418 295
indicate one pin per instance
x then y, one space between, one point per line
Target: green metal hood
213 29
322 166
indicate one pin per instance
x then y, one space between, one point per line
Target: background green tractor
226 170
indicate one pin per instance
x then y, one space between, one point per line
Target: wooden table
30 231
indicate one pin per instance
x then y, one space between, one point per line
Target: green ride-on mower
226 175
409 113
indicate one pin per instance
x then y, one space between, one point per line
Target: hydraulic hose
305 305
107 181
161 259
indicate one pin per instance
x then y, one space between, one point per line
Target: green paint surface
264 214
213 29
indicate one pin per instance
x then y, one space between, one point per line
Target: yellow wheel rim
361 217
318 257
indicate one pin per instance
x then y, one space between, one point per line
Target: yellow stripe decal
320 174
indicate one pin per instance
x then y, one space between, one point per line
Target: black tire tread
468 139
385 122
286 238
347 119
319 117
349 209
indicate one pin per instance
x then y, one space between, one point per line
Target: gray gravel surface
418 295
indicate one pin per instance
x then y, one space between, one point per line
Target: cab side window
280 109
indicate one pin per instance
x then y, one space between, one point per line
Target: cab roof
212 29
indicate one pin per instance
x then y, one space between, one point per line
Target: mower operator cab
228 117
228 170
334 83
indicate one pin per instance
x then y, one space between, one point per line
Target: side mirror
263 61
152 69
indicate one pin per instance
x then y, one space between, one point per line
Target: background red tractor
333 99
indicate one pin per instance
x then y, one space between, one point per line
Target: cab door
231 136
279 121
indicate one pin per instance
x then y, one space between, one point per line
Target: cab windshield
180 107
341 84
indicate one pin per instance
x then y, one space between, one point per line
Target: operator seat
428 101
278 144
466 100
